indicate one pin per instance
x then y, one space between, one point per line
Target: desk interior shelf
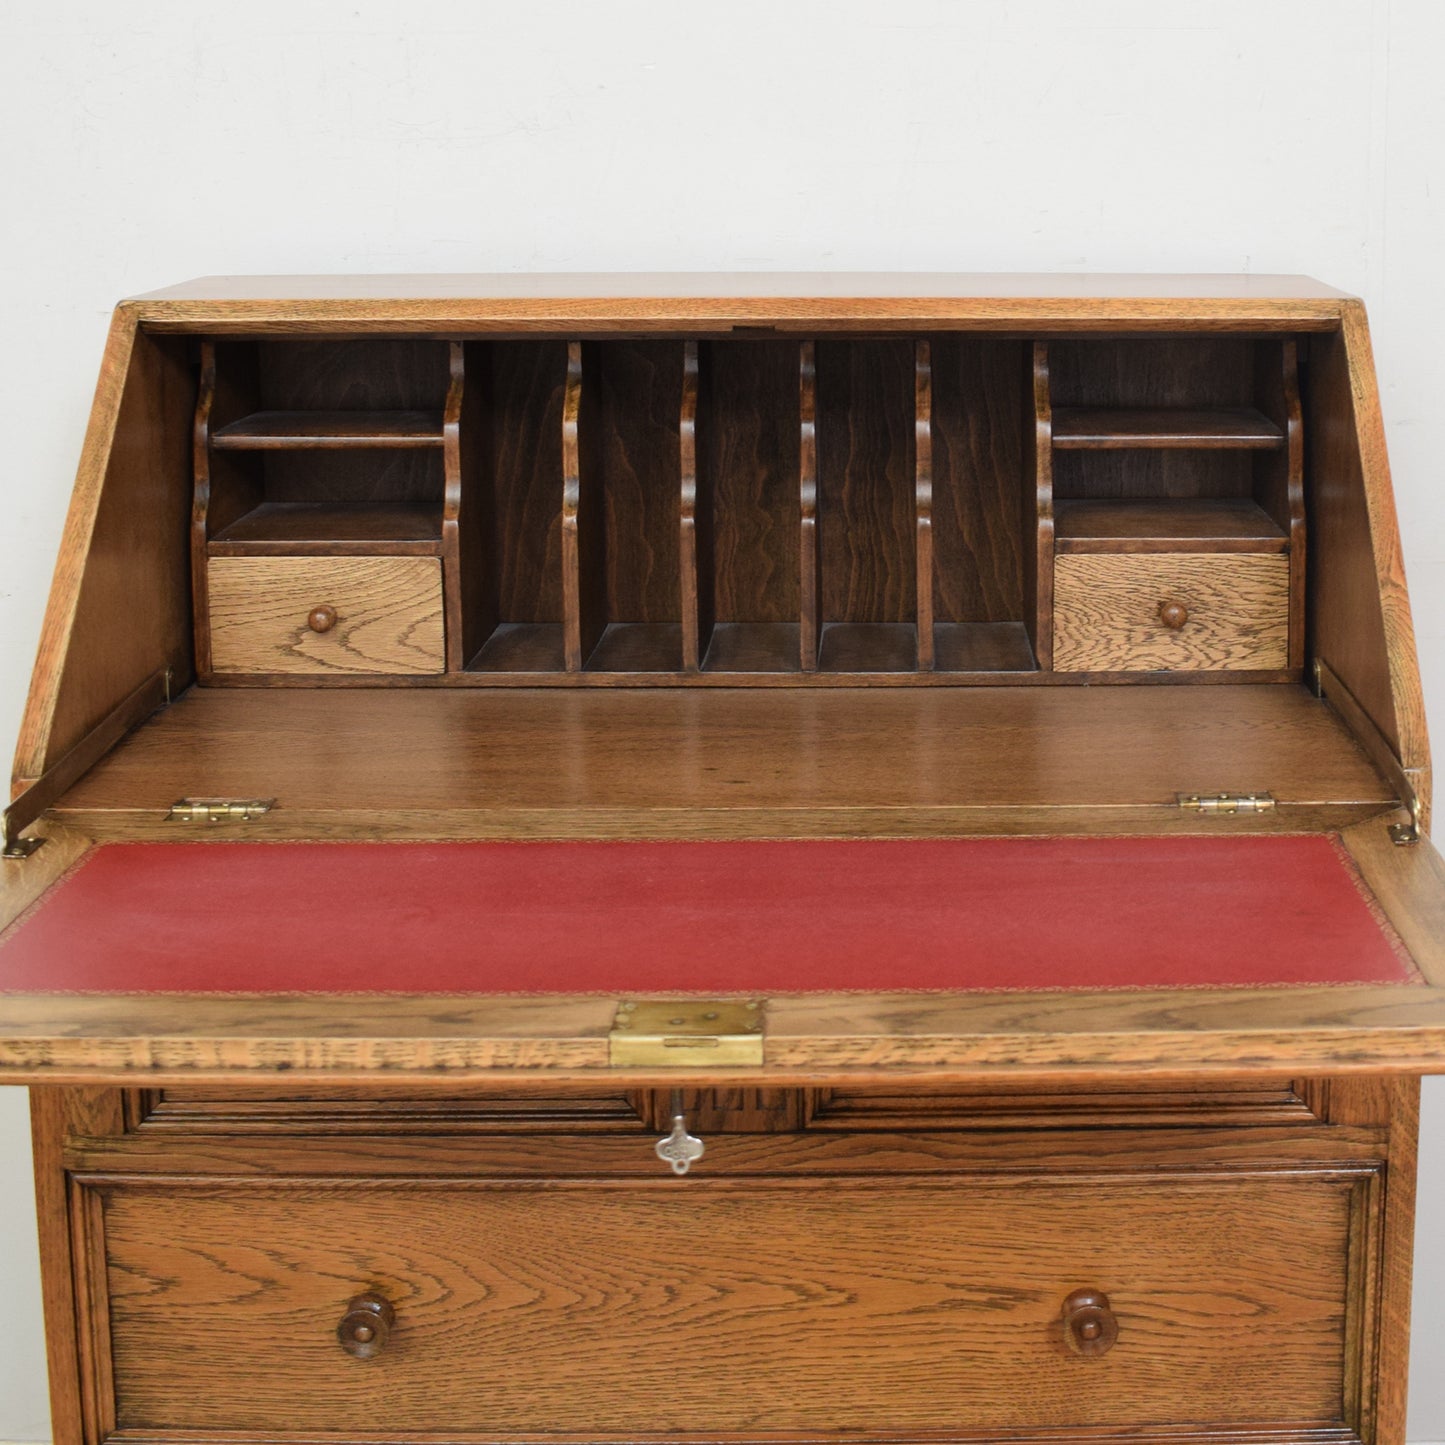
696 510
1173 428
1166 524
339 430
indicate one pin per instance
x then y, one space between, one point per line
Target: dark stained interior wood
978 479
637 392
1166 473
1165 525
512 461
295 528
748 442
338 430
348 374
1110 428
865 480
620 762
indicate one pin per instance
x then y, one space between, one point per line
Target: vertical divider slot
627 499
227 485
696 573
452 571
1279 474
809 571
509 525
923 499
583 538
867 504
1038 504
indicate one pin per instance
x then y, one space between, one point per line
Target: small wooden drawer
324 615
602 1308
1149 612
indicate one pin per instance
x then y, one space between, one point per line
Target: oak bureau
727 859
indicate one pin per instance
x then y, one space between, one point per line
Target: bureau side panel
119 608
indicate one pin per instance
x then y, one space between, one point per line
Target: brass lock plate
687 1033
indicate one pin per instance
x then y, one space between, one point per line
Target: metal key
680 1149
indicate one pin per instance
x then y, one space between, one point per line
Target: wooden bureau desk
727 859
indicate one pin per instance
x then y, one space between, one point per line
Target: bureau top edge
629 301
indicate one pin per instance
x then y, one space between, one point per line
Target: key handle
680 1149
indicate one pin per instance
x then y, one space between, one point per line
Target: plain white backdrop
155 140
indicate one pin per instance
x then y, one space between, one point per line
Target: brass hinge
17 847
1406 835
689 1033
1216 805
219 810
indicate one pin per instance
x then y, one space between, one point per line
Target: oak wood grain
1110 612
1359 605
659 762
1243 1279
103 635
815 1040
805 302
389 614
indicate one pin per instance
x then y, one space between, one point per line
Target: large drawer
625 1308
326 615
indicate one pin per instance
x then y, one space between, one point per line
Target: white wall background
154 140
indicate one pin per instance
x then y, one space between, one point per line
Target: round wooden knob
1089 1324
1173 615
321 619
366 1326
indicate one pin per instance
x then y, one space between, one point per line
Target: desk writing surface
723 918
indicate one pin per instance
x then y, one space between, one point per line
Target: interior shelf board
639 762
1109 429
753 647
321 528
868 647
638 647
296 430
522 647
1234 524
982 647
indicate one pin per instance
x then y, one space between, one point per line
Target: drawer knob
321 619
366 1326
1089 1324
1173 615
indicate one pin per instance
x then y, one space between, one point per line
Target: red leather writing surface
665 917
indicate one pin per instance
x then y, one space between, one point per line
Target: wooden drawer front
1107 612
611 1309
388 614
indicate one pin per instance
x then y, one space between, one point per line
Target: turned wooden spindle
1173 615
1089 1325
366 1326
321 619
